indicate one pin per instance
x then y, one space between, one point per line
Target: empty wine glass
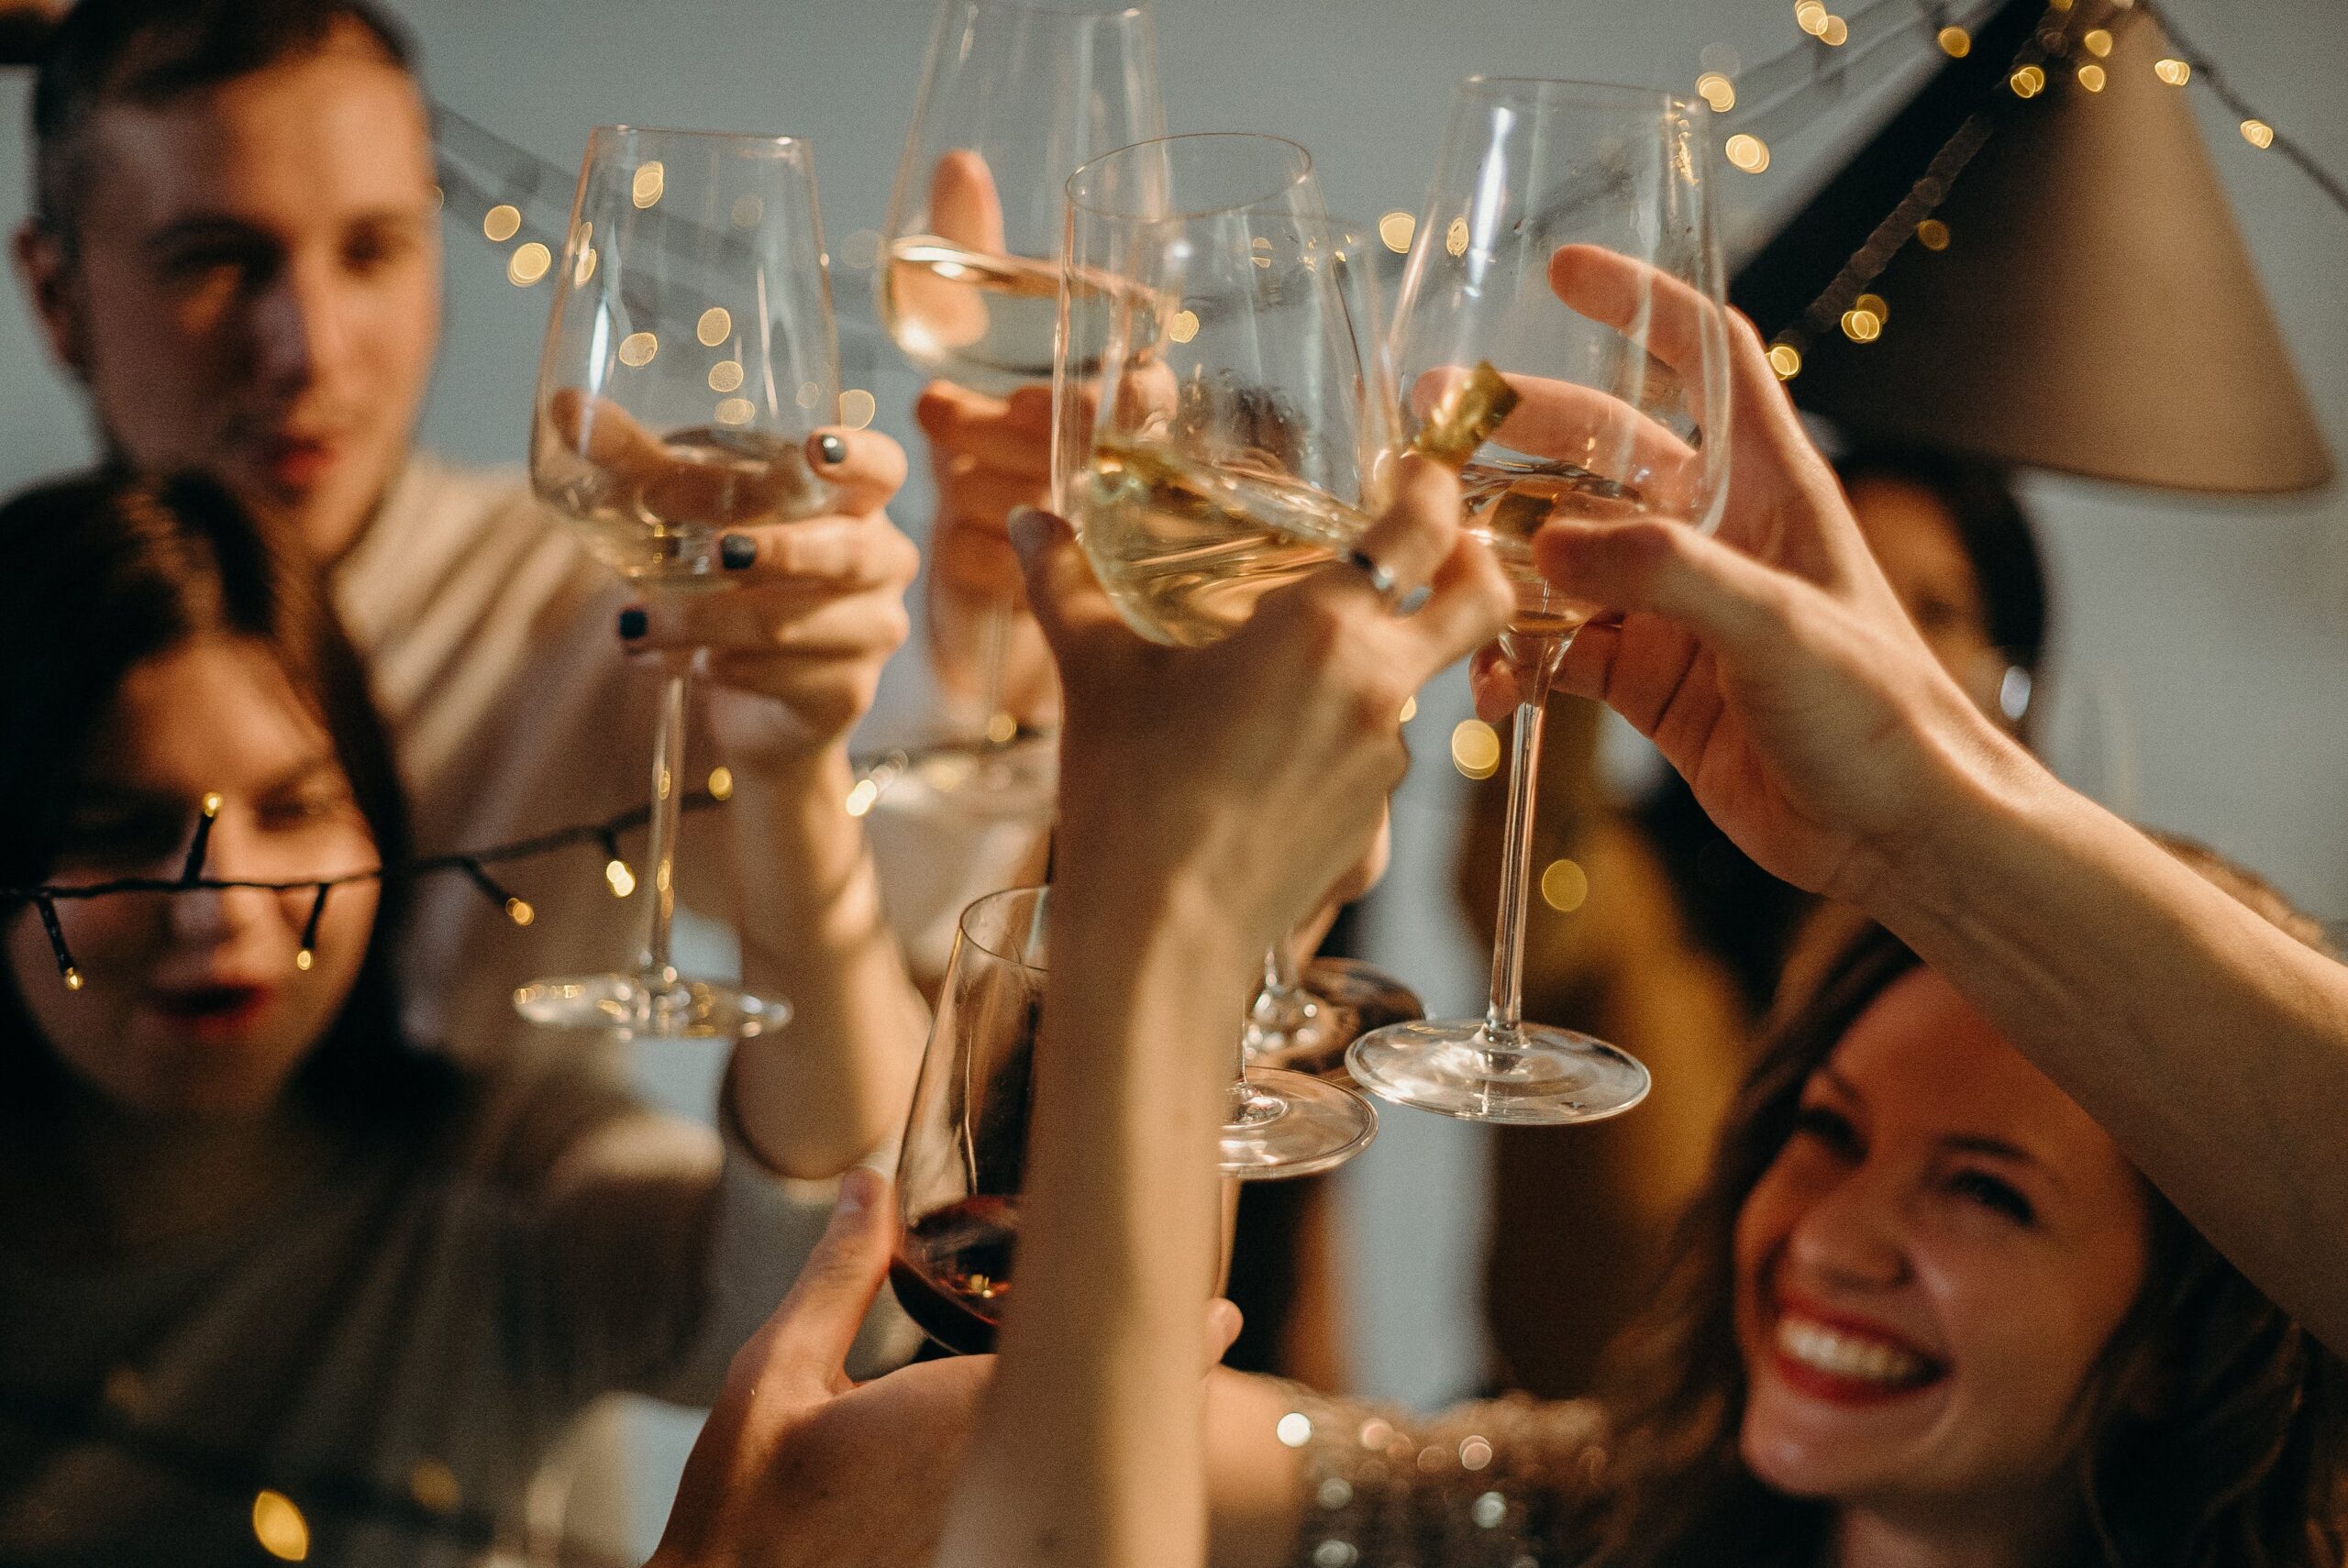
1622 413
690 355
1222 423
1014 97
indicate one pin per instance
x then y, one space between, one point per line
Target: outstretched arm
1774 669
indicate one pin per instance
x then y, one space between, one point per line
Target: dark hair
106 572
2216 1428
150 51
1997 536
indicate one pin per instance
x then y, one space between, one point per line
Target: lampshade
2093 310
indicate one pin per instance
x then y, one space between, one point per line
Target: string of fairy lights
473 865
1845 303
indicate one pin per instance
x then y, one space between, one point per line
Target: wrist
1989 800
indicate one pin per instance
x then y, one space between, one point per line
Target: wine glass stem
660 848
1534 664
994 655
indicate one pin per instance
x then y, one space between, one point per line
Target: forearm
2213 1046
833 1085
1089 1450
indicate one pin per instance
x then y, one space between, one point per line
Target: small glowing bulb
2091 77
1932 235
1810 16
1410 709
1001 729
2098 42
1395 230
1862 326
1872 305
716 326
1835 33
304 959
1183 328
1455 238
212 803
645 189
1956 42
584 268
528 264
725 375
519 912
621 879
279 1527
1474 748
861 799
1786 359
2258 133
2172 71
721 783
637 349
737 411
1565 886
2027 82
1747 152
858 407
1717 91
73 979
501 222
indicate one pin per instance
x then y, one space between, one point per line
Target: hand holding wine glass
1611 416
1771 664
689 357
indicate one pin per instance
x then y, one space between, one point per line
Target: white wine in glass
1014 95
1233 439
1544 189
689 355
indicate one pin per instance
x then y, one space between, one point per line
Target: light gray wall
2202 671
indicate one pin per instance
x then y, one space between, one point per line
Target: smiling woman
1922 1310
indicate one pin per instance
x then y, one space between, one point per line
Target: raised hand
1771 664
1257 767
814 607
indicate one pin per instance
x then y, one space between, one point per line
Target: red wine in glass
952 1271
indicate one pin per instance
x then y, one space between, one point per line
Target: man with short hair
235 249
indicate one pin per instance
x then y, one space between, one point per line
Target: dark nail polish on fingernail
834 449
736 551
632 623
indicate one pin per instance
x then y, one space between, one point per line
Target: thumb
807 1339
1224 1323
1067 598
1733 602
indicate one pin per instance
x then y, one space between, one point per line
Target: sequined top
1480 1485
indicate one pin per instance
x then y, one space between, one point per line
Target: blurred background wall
2201 673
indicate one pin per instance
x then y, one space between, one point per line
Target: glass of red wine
964 1151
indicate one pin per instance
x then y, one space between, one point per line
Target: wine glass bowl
1014 97
1567 242
689 355
964 1151
1222 426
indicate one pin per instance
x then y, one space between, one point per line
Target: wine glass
1529 167
1014 97
1221 425
690 355
964 1151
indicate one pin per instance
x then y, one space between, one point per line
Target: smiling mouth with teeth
1838 1364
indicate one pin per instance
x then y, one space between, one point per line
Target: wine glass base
1538 1075
1295 1126
636 1007
1351 999
1017 780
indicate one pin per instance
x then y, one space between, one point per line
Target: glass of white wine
1014 97
1223 426
1601 195
690 355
